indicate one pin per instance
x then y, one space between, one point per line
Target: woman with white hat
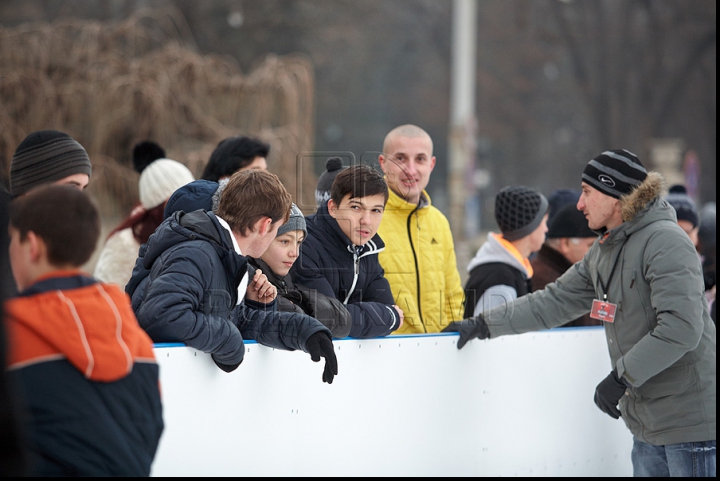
157 183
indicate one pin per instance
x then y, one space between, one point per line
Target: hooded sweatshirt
498 274
88 377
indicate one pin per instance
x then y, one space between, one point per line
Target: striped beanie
44 157
614 173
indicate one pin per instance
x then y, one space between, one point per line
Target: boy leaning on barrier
190 282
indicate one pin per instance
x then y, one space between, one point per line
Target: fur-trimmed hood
653 187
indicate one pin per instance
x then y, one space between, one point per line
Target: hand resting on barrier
470 328
320 345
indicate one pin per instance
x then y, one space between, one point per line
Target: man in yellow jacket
419 256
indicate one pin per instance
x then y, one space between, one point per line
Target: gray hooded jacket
662 340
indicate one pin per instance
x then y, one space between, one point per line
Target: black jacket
298 298
332 265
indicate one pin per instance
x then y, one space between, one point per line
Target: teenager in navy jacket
339 257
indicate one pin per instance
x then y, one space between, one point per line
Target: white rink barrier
400 406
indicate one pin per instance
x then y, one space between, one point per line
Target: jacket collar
636 201
59 281
641 207
396 202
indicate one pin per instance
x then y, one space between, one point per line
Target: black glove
320 345
226 367
608 393
470 328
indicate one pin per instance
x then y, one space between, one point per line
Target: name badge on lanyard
603 311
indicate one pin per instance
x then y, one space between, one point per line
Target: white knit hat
160 179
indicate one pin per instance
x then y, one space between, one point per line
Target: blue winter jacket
184 288
332 265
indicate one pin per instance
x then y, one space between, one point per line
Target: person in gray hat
501 268
568 240
48 157
644 281
333 166
276 262
685 211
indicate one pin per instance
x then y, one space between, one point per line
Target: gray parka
662 340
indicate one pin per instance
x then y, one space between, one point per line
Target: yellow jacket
419 262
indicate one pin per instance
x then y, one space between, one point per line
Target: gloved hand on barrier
470 328
608 394
320 345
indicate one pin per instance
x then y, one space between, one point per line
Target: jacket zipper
417 268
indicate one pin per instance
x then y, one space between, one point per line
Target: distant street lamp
463 121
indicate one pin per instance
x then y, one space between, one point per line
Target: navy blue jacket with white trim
331 264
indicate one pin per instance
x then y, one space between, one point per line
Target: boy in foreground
85 369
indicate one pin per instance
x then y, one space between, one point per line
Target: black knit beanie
333 167
569 222
519 210
614 172
144 153
44 157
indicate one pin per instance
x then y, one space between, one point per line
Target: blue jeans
682 459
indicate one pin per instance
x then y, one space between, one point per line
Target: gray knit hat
333 167
295 222
519 210
683 204
614 172
44 157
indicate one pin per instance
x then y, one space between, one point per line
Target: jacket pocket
668 402
673 380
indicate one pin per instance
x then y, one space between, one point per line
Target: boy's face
263 238
690 230
537 236
79 181
358 218
20 259
283 252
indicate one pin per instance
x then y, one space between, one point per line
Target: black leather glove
608 394
470 328
320 345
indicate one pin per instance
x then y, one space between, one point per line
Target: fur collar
650 189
